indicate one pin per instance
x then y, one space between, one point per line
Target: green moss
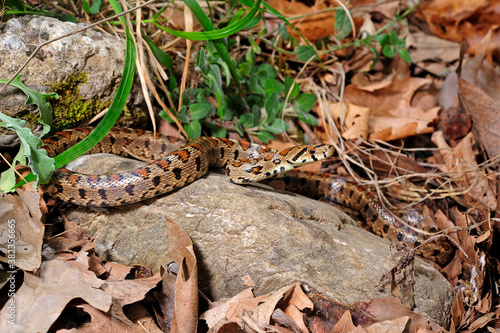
71 108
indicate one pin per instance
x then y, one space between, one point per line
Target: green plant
259 107
389 43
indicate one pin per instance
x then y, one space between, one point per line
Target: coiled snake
176 164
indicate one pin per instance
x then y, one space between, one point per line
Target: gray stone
98 55
275 237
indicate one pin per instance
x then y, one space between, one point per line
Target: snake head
277 164
305 154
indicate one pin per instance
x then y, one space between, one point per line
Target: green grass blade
210 33
111 116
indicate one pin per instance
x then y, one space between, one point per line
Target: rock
90 62
276 238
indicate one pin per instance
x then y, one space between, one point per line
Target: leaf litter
390 103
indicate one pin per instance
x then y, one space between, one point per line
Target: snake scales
176 164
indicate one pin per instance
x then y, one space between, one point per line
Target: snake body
176 164
364 200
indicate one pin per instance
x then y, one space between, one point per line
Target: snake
175 163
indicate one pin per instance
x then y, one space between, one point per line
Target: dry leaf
485 114
41 299
429 50
21 231
354 119
293 293
391 114
166 300
390 308
312 27
345 324
461 163
231 309
397 325
327 313
185 317
475 21
126 292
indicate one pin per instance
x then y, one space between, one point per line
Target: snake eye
312 151
276 161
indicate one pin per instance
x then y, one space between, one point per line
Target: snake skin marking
362 199
177 164
170 171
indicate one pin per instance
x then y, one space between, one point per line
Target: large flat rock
274 237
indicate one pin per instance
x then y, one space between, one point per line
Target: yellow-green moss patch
71 108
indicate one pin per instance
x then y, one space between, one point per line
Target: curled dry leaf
353 119
345 324
391 114
295 300
461 163
43 298
185 318
244 309
312 27
397 325
391 309
485 114
126 292
20 218
166 300
474 21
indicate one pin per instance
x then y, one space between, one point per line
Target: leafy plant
389 43
40 164
261 111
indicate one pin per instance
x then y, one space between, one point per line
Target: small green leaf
265 136
219 132
255 87
272 103
96 4
283 32
342 25
304 52
382 39
193 129
201 61
250 57
41 165
306 117
377 57
165 116
405 55
394 37
215 70
306 101
266 71
256 114
239 128
246 120
290 83
245 68
278 126
40 99
273 86
388 51
182 115
199 110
